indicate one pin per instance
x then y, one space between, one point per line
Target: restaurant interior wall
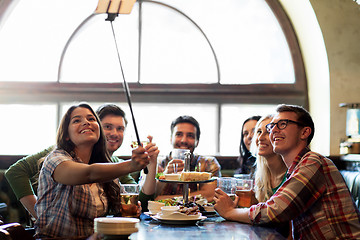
339 22
339 83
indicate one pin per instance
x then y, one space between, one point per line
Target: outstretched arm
74 173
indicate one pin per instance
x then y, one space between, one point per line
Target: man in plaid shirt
185 134
314 197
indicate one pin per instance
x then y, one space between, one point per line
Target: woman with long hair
270 168
270 171
246 159
76 182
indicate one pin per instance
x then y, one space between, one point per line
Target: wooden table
212 228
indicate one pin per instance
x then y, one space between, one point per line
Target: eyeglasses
281 124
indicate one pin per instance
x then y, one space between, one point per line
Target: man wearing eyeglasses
314 196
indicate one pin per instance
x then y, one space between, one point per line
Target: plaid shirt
316 199
64 210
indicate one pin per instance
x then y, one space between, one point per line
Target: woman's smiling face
262 140
248 132
83 127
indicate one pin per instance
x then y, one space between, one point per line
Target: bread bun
194 176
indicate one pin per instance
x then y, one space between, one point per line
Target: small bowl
155 207
168 210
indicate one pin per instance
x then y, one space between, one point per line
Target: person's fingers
236 201
140 159
178 161
219 191
139 150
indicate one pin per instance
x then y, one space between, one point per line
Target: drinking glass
242 176
129 195
228 185
179 154
244 191
135 144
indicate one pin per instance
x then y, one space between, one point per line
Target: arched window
220 61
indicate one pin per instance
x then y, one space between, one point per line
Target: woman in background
271 170
76 182
246 159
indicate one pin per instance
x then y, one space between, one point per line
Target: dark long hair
244 152
99 152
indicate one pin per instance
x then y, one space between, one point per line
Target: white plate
150 213
116 220
115 231
176 216
173 181
171 220
116 225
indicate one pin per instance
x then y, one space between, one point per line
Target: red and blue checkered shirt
64 210
315 198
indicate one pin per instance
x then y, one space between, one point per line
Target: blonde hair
263 189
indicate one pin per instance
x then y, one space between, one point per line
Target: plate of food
182 221
179 215
187 177
206 208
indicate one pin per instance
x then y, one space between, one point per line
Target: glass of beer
135 144
129 195
244 191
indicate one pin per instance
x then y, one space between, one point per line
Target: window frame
57 92
192 93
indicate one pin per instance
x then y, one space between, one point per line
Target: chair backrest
352 180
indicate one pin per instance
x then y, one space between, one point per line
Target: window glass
26 129
232 118
156 119
92 55
247 39
33 36
173 49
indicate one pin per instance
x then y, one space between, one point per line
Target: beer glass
244 191
129 194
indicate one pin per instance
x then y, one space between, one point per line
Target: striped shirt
64 210
315 197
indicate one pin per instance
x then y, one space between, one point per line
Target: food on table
190 209
160 175
202 204
172 177
194 176
155 206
